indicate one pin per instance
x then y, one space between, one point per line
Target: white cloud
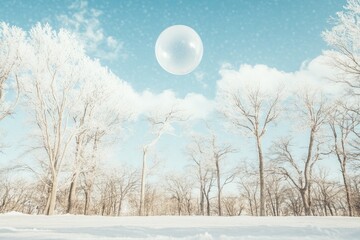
194 106
313 75
249 77
85 23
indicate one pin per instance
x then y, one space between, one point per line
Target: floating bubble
179 49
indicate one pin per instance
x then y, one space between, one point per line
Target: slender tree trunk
308 176
52 198
208 205
273 207
304 198
202 200
142 190
277 205
120 206
87 202
347 190
251 207
73 184
218 186
72 194
47 202
89 182
179 206
261 176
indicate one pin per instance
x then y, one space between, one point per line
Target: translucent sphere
179 49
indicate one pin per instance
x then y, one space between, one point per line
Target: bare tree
219 153
314 112
356 193
275 189
233 205
248 185
342 124
325 192
160 123
127 182
200 157
180 189
252 111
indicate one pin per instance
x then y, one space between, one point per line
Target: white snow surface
59 227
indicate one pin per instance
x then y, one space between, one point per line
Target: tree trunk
179 206
304 197
52 197
208 205
46 209
120 206
87 202
202 200
142 190
72 194
261 176
305 191
218 186
347 190
73 184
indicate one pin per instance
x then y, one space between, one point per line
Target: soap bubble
179 49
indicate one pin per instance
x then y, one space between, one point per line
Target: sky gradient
281 34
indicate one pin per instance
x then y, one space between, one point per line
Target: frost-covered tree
54 65
12 50
344 38
102 108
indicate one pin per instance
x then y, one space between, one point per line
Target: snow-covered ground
19 226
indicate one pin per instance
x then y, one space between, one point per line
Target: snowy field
19 226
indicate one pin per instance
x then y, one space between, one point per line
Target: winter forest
269 143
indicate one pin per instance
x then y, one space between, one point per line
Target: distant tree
252 109
180 188
342 123
201 163
217 153
248 185
127 182
275 189
324 194
160 123
233 205
313 111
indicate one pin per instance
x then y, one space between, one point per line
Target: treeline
78 109
117 193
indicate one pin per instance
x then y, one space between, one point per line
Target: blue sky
280 33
